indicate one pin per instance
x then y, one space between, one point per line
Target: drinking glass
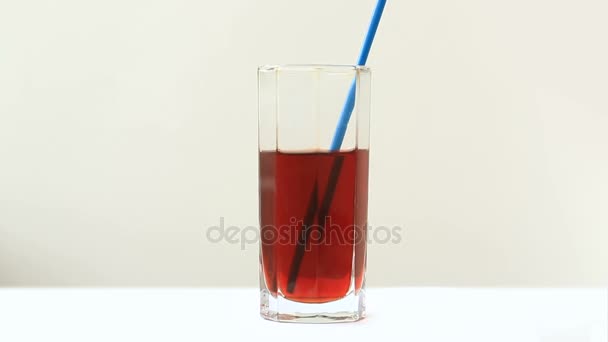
313 200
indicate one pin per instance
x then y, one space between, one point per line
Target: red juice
335 251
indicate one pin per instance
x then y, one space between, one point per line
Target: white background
401 314
128 127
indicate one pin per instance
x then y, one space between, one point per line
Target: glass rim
314 67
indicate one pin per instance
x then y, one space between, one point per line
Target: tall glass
313 201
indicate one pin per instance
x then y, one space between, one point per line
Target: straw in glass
339 133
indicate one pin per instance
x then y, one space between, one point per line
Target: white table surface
399 314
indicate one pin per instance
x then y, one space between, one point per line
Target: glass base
351 308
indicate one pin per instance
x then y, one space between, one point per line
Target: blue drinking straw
350 100
322 209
